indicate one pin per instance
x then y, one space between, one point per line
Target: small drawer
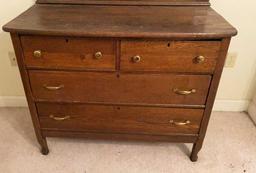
119 119
65 52
169 56
125 88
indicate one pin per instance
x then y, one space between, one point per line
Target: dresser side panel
26 84
210 99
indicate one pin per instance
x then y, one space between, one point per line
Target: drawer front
169 56
119 119
60 52
126 88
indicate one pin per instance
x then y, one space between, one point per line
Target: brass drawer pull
98 55
37 53
180 123
136 59
59 118
53 88
184 92
199 59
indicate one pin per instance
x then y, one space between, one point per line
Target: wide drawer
66 52
169 56
119 119
123 88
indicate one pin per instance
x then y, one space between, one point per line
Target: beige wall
236 84
239 82
10 82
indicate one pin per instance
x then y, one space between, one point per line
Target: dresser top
122 21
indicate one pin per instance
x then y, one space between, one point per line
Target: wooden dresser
121 69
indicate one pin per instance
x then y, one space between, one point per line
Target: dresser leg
196 148
44 146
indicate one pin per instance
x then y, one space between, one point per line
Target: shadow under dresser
113 69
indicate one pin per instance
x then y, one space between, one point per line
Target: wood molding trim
128 2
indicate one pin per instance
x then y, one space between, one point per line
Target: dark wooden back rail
121 69
127 2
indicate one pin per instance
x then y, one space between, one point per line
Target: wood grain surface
125 88
66 52
122 21
119 119
169 56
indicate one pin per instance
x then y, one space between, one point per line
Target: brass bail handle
58 118
184 92
53 88
180 123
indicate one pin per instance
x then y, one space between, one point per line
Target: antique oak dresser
121 69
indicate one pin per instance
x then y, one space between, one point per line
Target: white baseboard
13 101
231 105
219 105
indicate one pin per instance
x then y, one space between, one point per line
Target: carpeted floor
230 147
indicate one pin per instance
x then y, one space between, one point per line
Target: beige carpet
230 147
